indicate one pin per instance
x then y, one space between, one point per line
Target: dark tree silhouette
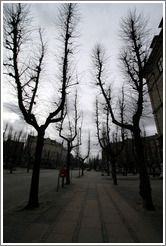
70 135
79 156
27 75
12 147
108 138
133 56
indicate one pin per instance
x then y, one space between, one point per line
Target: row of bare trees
133 58
72 135
25 73
13 145
106 136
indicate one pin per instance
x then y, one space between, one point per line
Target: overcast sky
99 24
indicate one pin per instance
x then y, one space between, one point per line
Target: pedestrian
63 173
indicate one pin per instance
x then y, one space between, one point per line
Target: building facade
126 160
53 154
154 78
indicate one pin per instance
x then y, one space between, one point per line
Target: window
160 64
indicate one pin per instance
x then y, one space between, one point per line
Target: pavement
89 210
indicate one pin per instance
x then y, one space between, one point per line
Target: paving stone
33 233
91 222
90 235
58 238
87 212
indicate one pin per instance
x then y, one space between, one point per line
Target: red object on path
63 172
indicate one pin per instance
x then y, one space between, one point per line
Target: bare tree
5 131
78 152
108 138
28 153
27 75
134 57
70 135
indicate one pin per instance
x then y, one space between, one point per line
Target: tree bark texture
114 173
33 196
145 187
68 163
82 167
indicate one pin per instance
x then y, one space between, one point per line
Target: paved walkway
84 212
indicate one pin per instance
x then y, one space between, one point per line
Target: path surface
89 210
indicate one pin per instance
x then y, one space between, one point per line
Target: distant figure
63 173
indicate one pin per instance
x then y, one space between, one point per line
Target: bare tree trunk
82 167
33 196
114 171
145 187
68 163
108 168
